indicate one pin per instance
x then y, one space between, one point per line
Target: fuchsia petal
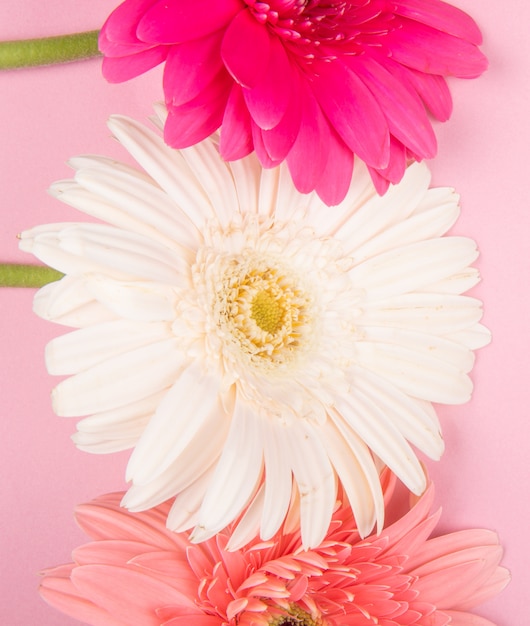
441 16
115 71
334 181
197 119
122 24
175 21
268 101
260 148
431 88
435 52
245 50
236 132
308 156
191 67
403 109
353 111
279 140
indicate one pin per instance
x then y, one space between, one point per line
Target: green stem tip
17 275
48 50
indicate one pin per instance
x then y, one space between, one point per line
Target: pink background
48 115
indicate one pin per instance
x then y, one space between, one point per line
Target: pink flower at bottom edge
312 82
136 572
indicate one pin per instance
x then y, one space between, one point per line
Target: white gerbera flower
250 343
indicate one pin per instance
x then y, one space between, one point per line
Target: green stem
48 50
17 275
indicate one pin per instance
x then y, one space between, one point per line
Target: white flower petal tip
256 349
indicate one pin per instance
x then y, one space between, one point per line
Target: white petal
415 419
357 472
184 513
192 402
236 476
216 179
315 479
437 314
116 420
247 174
457 283
268 191
413 267
165 165
375 427
186 469
425 225
69 302
120 380
249 526
431 347
82 349
96 444
129 254
474 337
150 210
328 221
415 372
278 478
139 301
381 212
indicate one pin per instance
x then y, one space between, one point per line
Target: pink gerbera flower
137 572
312 82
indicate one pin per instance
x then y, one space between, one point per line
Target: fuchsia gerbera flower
312 82
137 572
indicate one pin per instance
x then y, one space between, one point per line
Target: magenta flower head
135 571
312 82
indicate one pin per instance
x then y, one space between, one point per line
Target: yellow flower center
296 617
263 310
267 311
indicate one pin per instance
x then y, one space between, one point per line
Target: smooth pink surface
48 115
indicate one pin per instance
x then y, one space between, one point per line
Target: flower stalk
32 276
48 50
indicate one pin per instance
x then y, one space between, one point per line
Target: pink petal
131 595
353 112
434 52
65 598
197 119
279 140
195 619
397 163
245 50
334 182
431 88
190 68
465 619
380 183
236 132
100 520
403 109
268 101
313 139
117 70
441 16
175 21
122 23
260 148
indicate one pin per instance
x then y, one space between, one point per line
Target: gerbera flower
292 78
239 337
134 571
